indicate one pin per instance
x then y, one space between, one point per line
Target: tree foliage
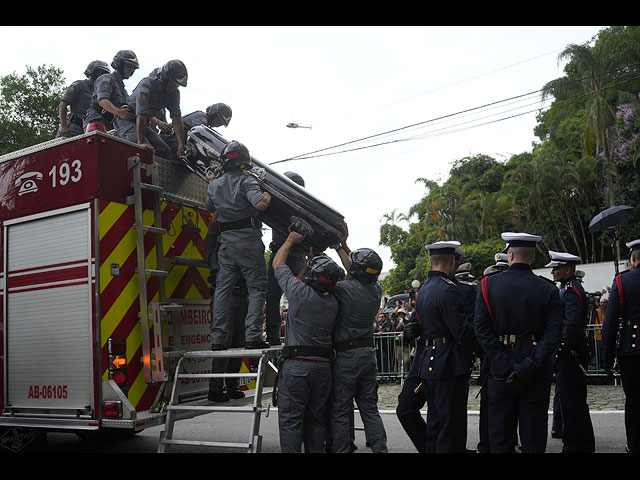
587 159
29 107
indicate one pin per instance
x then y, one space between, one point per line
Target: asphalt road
606 407
234 427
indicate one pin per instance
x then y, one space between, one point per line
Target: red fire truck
102 279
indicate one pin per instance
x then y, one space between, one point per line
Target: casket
292 206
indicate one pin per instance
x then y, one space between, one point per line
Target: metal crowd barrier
394 355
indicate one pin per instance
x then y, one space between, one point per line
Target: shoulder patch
451 282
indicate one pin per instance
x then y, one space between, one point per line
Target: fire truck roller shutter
49 309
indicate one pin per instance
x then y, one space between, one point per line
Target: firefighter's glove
299 227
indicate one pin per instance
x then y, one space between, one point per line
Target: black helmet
366 265
218 114
295 178
235 155
125 56
174 71
97 65
323 274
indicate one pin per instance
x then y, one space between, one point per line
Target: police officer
216 115
572 357
237 199
155 92
446 362
518 324
78 97
623 318
412 396
304 382
110 98
502 262
463 274
483 424
500 266
354 368
295 261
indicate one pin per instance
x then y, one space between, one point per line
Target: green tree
482 254
597 78
626 155
29 107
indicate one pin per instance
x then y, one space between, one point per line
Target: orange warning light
118 362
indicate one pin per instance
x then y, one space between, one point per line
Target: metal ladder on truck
154 358
263 376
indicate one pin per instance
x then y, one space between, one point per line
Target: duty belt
73 118
510 338
307 351
432 342
366 341
236 224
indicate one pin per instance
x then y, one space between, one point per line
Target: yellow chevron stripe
112 318
137 388
129 294
122 251
109 216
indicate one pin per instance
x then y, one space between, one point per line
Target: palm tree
595 80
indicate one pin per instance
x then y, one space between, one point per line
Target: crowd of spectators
394 354
598 302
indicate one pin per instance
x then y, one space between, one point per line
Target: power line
405 127
461 81
313 154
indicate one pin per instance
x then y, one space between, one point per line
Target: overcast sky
346 83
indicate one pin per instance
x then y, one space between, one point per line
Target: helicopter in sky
295 125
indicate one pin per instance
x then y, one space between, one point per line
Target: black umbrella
610 218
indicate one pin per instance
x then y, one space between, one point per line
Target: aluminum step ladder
264 376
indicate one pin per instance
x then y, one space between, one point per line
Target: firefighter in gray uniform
295 261
78 96
110 98
154 93
304 377
216 115
236 199
354 369
237 311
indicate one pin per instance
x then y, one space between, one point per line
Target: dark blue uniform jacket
574 342
625 317
521 304
441 311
